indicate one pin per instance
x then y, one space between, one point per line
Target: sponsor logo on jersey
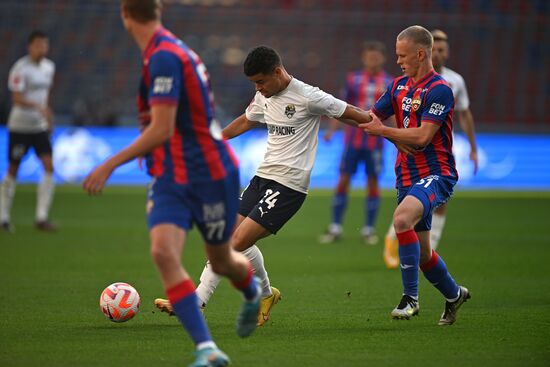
406 105
163 85
280 130
290 110
416 104
436 109
400 87
406 121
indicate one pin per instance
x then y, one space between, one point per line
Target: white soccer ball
119 302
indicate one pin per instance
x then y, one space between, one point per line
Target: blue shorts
432 191
352 157
211 205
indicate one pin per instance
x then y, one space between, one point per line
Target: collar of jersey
150 45
423 79
284 91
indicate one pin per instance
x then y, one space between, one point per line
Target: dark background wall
501 47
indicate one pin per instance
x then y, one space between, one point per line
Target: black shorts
19 144
269 203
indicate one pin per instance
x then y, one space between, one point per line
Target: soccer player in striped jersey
440 54
363 88
195 175
422 103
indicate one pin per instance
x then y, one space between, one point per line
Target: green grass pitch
336 298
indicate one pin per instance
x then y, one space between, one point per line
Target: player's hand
407 149
140 161
47 113
328 135
95 181
474 159
374 127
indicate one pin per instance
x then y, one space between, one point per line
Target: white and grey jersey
458 86
34 81
292 117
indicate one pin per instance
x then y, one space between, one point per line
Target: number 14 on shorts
270 198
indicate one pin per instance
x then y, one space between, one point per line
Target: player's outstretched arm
238 126
467 124
354 116
420 136
163 120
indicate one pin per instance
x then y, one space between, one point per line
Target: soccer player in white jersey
440 55
291 111
30 124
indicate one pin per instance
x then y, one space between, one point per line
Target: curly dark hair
261 59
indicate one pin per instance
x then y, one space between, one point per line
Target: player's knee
239 241
161 253
402 222
13 169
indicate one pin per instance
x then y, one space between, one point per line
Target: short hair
419 35
143 11
261 59
374 46
439 35
36 34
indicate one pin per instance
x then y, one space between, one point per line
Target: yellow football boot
391 252
165 306
267 304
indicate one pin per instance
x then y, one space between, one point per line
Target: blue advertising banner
506 161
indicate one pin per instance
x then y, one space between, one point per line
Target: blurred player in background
195 175
30 125
363 88
423 104
440 55
291 111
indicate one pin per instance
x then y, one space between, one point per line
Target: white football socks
7 192
209 280
44 197
438 223
207 286
391 232
257 260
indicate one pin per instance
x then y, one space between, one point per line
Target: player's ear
421 54
278 71
123 12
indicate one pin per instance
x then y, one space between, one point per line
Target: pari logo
76 152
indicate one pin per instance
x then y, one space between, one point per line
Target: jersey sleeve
439 103
462 101
255 110
320 103
16 79
383 108
166 78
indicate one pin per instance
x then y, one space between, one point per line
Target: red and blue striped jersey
430 100
363 90
174 74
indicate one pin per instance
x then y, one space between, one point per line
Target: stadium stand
499 46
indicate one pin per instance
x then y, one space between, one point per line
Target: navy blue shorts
269 203
352 157
432 191
211 205
20 143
